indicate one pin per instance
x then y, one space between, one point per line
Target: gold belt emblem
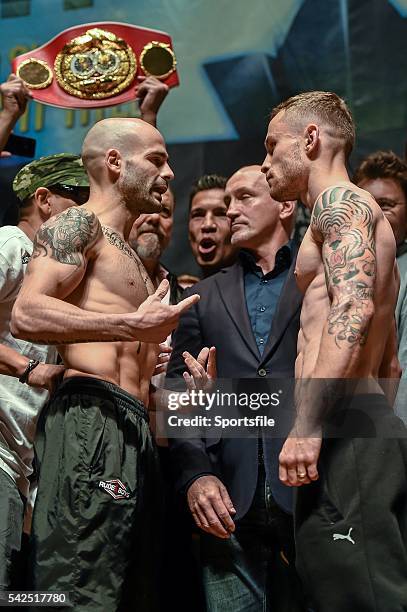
96 65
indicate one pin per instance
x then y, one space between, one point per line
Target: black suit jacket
221 319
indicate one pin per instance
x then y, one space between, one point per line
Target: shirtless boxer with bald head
88 292
351 506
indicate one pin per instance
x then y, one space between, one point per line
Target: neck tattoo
116 240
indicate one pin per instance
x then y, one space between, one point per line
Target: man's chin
148 249
281 194
239 239
150 206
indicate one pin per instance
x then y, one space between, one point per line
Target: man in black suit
250 312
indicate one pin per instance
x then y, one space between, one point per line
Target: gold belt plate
96 65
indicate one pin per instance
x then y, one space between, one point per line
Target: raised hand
151 93
15 96
202 370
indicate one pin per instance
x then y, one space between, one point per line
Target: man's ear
311 139
114 161
288 209
42 200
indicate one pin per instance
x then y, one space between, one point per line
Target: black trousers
11 531
97 517
351 524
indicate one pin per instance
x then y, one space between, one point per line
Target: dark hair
205 182
77 194
325 106
383 164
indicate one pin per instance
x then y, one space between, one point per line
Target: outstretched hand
202 370
154 321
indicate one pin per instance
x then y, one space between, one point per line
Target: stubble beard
292 171
148 247
136 194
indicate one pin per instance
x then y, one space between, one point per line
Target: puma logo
340 536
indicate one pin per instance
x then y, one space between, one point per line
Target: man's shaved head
250 170
123 134
128 156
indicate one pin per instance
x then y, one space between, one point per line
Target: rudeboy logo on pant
115 488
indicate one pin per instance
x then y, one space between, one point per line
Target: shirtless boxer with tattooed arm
347 272
89 293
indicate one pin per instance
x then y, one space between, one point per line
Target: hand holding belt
96 64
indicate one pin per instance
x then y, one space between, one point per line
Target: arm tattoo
66 237
116 240
347 225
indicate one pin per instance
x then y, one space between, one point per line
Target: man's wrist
306 427
31 365
150 118
9 117
191 481
125 326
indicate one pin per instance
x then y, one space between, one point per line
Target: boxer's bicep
346 224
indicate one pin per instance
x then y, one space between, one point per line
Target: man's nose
209 224
153 219
167 173
232 212
265 167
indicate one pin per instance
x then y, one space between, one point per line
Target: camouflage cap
61 168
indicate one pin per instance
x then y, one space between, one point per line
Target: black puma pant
351 524
97 517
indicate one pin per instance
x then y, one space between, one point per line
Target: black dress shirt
262 291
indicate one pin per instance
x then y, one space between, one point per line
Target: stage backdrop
236 60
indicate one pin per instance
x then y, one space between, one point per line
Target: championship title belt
96 64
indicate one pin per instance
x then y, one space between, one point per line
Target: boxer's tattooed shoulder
346 222
67 236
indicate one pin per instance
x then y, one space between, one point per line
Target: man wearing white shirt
28 371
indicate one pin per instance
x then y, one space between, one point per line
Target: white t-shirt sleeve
12 268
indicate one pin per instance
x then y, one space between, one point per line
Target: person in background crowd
384 175
250 312
349 522
208 225
149 237
44 188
